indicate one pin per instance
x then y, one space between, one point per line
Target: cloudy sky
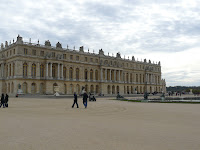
159 30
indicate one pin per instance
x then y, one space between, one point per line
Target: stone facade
38 69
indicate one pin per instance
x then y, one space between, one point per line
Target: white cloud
166 31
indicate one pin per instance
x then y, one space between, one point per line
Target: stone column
58 71
101 74
61 71
147 78
94 76
50 70
88 74
29 69
11 70
106 74
8 70
67 72
38 70
47 66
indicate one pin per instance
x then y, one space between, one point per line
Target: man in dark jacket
85 96
75 100
2 101
6 100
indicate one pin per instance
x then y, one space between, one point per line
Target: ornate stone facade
36 68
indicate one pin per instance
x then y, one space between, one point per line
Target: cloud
166 31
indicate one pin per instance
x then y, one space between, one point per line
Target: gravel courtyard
51 124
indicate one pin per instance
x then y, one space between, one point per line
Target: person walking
85 96
75 100
6 100
2 101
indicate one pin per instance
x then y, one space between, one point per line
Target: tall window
10 70
85 59
71 57
127 77
64 56
136 77
86 74
13 69
33 70
91 74
77 73
41 53
96 75
77 58
42 70
25 51
53 54
14 51
71 73
34 52
64 72
6 70
53 70
25 69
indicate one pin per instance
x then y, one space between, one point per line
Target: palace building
41 69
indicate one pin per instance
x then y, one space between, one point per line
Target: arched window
53 70
41 70
108 89
33 73
6 70
131 78
91 74
64 72
77 74
10 70
96 75
25 66
12 87
97 89
33 88
13 69
136 77
71 73
127 77
24 87
8 87
86 74
91 89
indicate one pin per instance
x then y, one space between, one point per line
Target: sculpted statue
118 55
58 45
101 52
47 43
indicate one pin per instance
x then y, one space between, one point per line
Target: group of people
4 101
85 97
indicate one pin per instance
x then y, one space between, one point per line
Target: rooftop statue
101 52
81 49
118 55
47 43
58 45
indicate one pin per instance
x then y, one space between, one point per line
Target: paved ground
41 124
